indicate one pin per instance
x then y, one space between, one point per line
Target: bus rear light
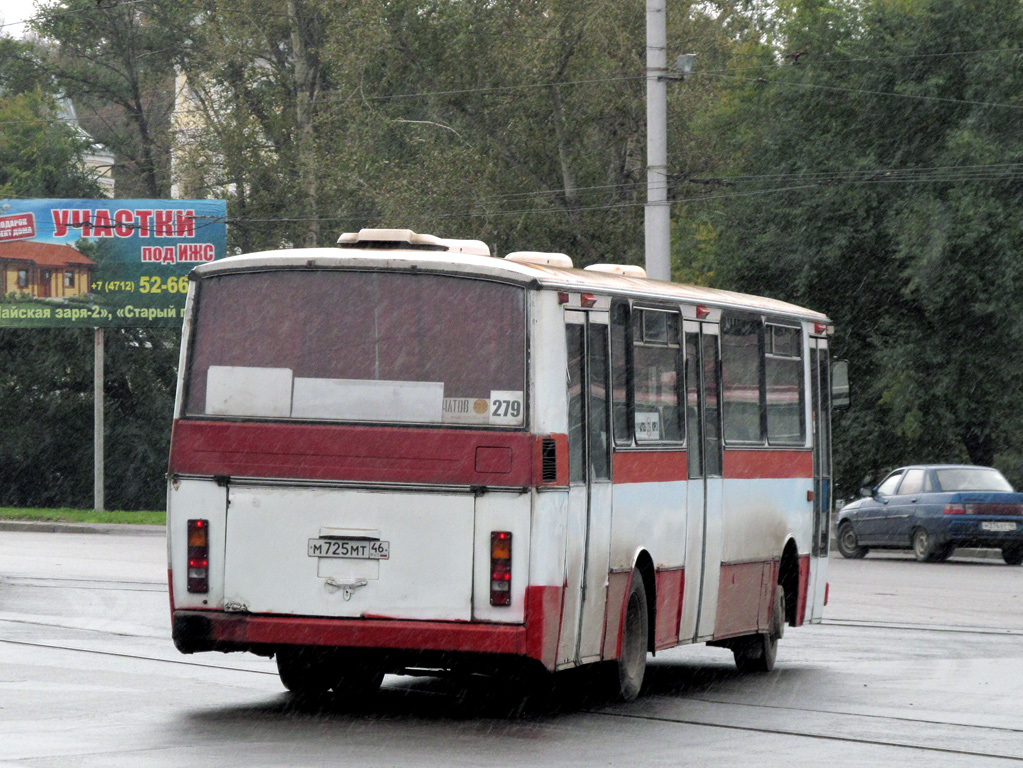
955 509
198 556
500 567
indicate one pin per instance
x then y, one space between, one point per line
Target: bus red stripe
804 586
340 452
669 607
649 466
543 623
759 464
370 633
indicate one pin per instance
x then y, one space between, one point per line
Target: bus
404 455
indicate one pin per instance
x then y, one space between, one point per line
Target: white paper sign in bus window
648 426
506 408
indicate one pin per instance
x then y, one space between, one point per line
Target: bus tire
759 652
631 664
356 676
305 671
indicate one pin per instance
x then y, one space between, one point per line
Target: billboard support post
97 425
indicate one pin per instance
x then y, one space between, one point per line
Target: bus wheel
305 671
635 639
758 653
356 676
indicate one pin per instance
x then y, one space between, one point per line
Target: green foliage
39 156
46 416
877 186
855 156
114 61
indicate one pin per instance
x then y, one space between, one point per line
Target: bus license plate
1001 527
355 549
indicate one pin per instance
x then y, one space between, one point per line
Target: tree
46 374
115 62
40 156
877 176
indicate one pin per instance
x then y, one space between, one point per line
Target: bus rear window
358 346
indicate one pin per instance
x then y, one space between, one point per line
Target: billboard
103 263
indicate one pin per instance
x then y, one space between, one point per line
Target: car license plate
354 549
1000 527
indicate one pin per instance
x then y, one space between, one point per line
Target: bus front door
705 486
589 497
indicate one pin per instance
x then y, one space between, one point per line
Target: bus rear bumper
198 631
195 631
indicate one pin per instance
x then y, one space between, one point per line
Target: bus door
820 405
705 486
589 496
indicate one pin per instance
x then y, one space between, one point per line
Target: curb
115 529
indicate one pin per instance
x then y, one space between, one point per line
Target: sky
15 10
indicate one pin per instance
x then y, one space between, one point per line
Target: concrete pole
97 421
657 218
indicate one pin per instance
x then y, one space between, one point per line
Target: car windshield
972 479
358 346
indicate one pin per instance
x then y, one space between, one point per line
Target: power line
870 92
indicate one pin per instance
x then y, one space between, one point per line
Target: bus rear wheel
313 671
305 671
759 652
631 663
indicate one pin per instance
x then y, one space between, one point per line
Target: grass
67 515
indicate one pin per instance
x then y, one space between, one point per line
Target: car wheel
635 637
926 550
847 542
1012 555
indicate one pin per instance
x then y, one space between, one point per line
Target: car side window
888 485
913 482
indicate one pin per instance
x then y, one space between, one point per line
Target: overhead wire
808 180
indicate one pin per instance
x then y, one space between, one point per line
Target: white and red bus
405 454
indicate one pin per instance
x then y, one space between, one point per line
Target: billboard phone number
149 284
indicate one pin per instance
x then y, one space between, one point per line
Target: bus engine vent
548 460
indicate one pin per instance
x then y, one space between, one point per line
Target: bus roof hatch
406 239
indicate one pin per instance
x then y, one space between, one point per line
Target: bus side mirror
840 399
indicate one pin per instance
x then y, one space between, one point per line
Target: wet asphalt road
916 664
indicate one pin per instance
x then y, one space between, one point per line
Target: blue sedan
932 510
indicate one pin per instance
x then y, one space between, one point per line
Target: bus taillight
198 556
500 567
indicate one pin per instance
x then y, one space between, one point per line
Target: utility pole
656 214
97 423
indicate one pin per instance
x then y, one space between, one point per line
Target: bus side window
742 362
621 364
656 349
786 418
